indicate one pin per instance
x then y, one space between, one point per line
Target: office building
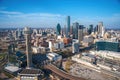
100 28
68 26
54 56
67 41
87 41
36 50
107 45
58 45
75 47
80 33
58 29
50 46
75 30
96 28
90 29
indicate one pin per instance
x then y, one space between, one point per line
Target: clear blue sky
47 13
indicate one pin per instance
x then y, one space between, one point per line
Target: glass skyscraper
68 26
75 30
58 29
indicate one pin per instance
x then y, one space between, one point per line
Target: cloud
10 13
33 19
20 14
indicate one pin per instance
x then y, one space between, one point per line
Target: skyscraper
75 30
27 32
58 29
90 29
68 26
100 25
80 33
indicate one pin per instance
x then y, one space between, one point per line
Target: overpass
62 73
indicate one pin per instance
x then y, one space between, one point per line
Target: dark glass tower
75 30
58 29
68 26
90 29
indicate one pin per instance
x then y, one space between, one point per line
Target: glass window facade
110 46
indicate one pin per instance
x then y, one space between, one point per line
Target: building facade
106 45
80 33
68 26
75 30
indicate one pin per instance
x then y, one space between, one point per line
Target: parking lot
88 73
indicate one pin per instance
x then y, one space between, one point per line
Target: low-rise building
58 45
30 74
54 56
38 49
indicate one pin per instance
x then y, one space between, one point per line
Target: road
62 73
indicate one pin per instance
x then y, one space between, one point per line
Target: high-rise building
29 73
68 26
80 33
75 47
100 28
75 30
50 46
27 32
58 29
90 29
96 28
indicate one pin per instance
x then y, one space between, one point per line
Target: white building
107 54
75 47
50 46
38 50
87 40
58 45
54 56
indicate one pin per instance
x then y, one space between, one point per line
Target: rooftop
12 68
31 72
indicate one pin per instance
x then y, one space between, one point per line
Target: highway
62 73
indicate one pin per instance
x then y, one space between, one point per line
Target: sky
48 13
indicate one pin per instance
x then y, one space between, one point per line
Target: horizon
48 13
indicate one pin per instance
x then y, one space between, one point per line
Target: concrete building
87 41
54 56
38 50
107 54
58 45
80 33
50 46
101 29
67 41
29 73
75 47
27 32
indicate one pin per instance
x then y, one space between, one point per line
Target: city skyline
47 13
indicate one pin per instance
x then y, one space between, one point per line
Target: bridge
62 73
